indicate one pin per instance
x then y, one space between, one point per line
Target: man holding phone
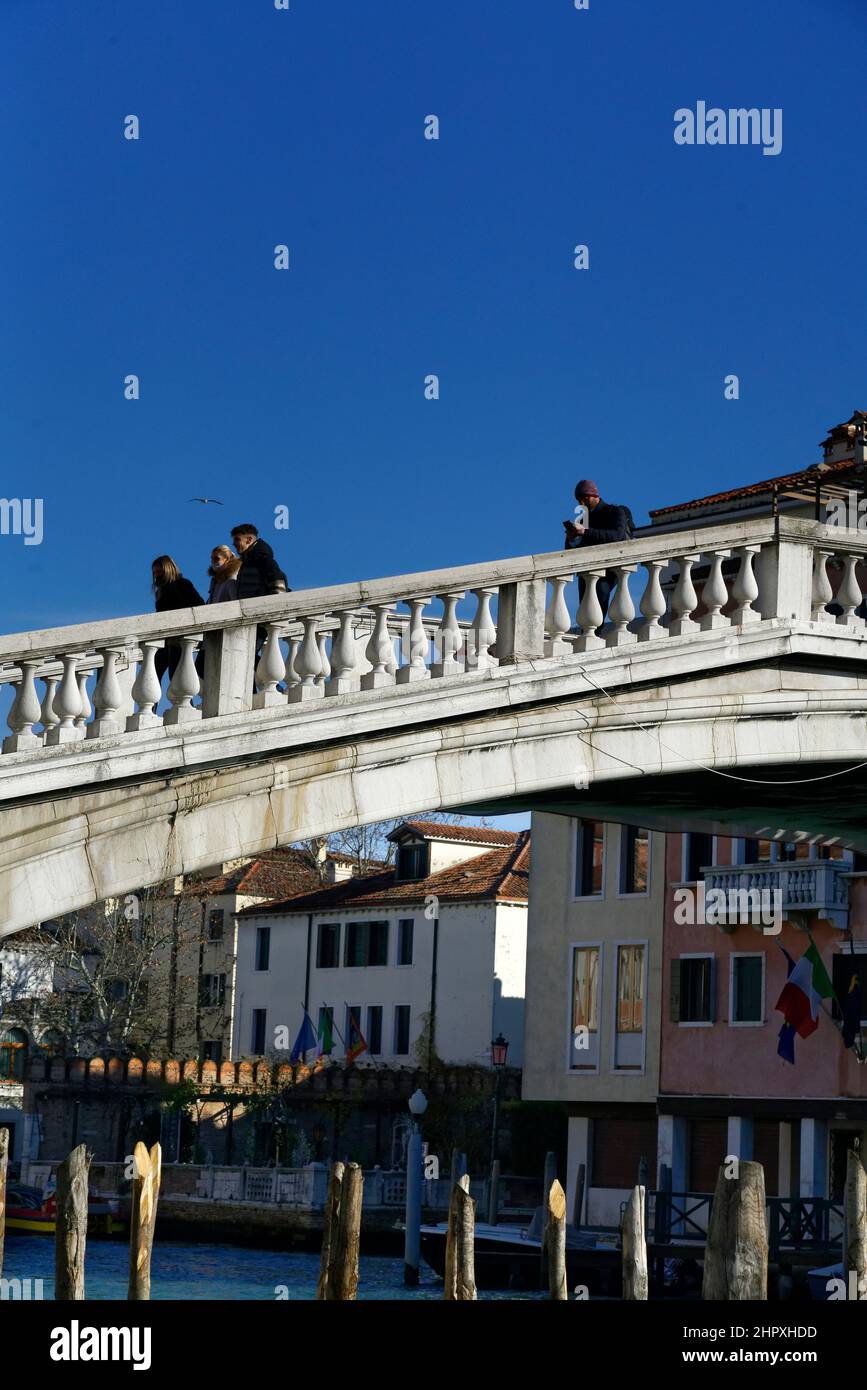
597 523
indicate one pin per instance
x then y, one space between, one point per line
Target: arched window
53 1043
13 1054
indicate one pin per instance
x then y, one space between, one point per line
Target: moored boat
34 1212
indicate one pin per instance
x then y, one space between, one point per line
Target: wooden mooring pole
548 1179
555 1242
460 1272
70 1239
4 1154
343 1277
143 1219
578 1202
634 1247
855 1252
736 1252
331 1218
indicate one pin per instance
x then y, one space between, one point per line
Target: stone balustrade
817 887
350 642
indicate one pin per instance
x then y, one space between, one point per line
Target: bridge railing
100 679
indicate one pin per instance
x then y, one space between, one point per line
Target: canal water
197 1272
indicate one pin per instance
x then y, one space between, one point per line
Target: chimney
847 440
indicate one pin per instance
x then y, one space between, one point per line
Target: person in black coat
259 575
171 591
605 522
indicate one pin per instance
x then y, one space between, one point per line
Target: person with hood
172 590
259 574
223 574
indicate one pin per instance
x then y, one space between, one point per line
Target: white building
25 977
426 956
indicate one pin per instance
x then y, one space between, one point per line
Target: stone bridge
725 692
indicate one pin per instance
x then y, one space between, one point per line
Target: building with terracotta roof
424 958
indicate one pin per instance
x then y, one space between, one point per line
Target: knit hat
587 487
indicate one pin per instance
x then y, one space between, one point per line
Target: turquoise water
194 1272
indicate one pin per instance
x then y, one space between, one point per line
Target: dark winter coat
605 523
259 574
179 594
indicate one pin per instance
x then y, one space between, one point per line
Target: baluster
394 632
308 665
419 644
67 705
823 590
146 690
292 676
108 698
270 670
745 588
557 621
86 707
47 713
590 616
344 678
714 594
380 651
184 686
448 639
25 712
849 594
652 603
483 634
325 673
621 610
684 600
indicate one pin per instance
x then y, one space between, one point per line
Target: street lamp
499 1053
414 1170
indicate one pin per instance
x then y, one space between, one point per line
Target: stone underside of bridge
107 818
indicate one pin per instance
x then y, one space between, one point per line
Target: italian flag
802 993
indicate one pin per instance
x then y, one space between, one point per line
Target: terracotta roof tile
501 875
469 834
805 477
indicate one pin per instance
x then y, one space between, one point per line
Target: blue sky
305 388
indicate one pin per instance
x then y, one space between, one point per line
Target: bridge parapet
99 680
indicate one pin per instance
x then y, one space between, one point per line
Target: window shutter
712 991
674 1012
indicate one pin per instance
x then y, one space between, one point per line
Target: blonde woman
223 574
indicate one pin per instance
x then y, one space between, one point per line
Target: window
216 919
404 940
588 859
634 845
758 851
374 1029
412 860
585 988
747 989
13 1054
366 943
213 991
698 854
212 1052
693 989
630 989
117 989
401 1030
353 1035
257 1040
328 946
263 947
